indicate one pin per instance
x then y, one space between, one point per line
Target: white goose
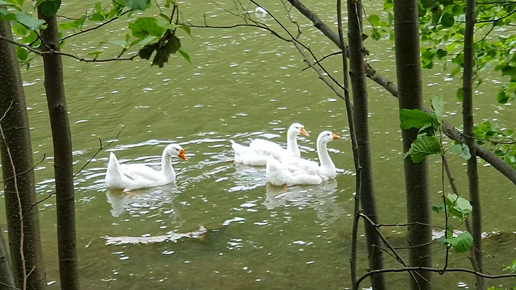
134 176
298 171
259 150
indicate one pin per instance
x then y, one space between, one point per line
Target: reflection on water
322 199
141 202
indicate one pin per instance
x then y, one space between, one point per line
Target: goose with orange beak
299 171
135 176
259 150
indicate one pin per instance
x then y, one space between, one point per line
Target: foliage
500 141
428 140
441 24
150 35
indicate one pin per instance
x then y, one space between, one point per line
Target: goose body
259 150
297 171
134 176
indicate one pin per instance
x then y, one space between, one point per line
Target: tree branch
409 269
51 51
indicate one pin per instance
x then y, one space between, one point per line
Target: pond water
243 83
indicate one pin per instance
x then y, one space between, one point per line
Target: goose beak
303 131
335 136
182 154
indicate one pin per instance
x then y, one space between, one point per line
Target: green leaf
165 16
374 19
28 21
414 119
145 26
50 7
461 149
375 34
462 243
438 208
4 15
12 4
21 53
169 2
121 43
135 4
185 55
447 20
98 6
95 53
73 24
460 94
508 70
501 97
458 206
511 267
187 29
163 52
99 16
147 50
437 105
422 147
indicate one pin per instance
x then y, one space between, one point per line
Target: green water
242 83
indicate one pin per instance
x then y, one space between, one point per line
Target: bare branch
99 150
27 170
38 52
410 269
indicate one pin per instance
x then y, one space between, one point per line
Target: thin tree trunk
392 88
360 119
408 68
18 173
6 273
467 116
63 160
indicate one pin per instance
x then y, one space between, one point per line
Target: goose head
326 136
297 129
175 150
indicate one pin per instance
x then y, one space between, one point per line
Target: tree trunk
360 119
408 68
392 88
467 116
63 160
18 173
6 273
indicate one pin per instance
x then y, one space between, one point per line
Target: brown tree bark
360 119
63 159
408 68
18 173
467 117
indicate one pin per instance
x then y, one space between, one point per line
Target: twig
98 151
20 212
38 52
398 257
409 224
27 170
410 269
325 57
84 166
7 285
